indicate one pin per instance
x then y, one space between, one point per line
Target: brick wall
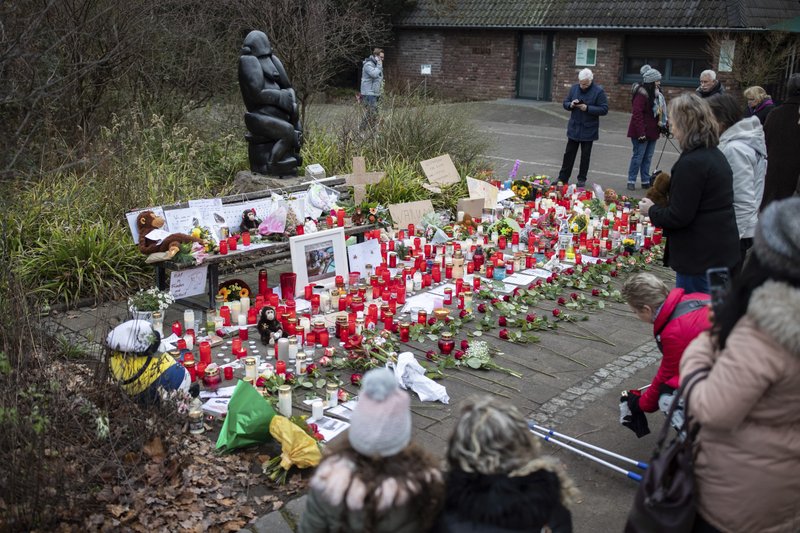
465 64
482 64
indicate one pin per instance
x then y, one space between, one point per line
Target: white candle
316 409
188 319
285 400
305 323
189 341
236 307
325 301
244 302
242 319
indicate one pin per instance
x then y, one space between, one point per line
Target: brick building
492 49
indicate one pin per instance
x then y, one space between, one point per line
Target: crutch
631 475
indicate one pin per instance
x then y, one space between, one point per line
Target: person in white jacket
742 142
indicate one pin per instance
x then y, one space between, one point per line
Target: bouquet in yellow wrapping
298 448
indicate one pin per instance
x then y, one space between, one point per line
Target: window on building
679 58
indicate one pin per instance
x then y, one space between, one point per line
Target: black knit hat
777 238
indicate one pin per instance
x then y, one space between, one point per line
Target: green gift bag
247 422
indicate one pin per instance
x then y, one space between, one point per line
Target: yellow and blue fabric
143 375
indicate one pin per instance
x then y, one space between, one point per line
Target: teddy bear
659 191
147 221
269 327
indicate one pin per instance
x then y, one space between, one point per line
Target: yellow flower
225 293
244 293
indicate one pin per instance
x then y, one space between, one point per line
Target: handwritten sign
440 170
189 282
409 212
482 189
182 219
471 206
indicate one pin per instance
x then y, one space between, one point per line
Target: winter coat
332 507
643 122
746 151
748 447
762 110
371 77
782 131
675 337
717 89
699 222
478 503
585 125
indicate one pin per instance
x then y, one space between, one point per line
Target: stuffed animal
269 327
147 221
249 221
659 191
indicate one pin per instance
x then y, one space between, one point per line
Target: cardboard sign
440 170
471 206
189 282
482 189
409 212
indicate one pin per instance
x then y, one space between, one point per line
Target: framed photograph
318 258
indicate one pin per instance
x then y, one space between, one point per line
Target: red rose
432 321
610 261
481 308
532 286
503 334
355 379
260 382
555 277
549 279
464 344
430 355
458 354
463 313
625 254
573 295
516 292
539 282
311 368
585 269
289 377
502 321
570 271
556 312
531 317
506 298
595 292
314 427
613 273
495 301
319 436
561 300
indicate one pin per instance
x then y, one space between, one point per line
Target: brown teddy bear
659 191
147 221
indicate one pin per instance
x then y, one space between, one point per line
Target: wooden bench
251 258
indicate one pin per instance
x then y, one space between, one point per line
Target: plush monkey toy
147 221
269 327
659 191
249 220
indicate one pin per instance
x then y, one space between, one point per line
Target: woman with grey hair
498 480
699 222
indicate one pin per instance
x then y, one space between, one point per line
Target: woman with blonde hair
699 222
759 103
498 480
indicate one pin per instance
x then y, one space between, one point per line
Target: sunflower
224 292
244 293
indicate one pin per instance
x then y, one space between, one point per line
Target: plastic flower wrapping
321 197
298 448
275 218
433 225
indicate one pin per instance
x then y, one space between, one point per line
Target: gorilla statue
272 118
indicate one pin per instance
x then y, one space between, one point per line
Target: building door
535 60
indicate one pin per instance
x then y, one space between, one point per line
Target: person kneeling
138 367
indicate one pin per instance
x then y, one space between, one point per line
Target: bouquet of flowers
578 223
505 227
299 447
150 300
234 290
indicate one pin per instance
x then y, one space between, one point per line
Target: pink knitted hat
381 421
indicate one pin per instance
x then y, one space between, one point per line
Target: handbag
666 500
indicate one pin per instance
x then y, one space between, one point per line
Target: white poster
182 220
189 282
586 52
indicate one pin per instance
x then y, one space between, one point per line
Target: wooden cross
360 178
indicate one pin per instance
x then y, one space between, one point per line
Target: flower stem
564 356
526 366
482 388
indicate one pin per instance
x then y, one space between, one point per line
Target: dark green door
534 72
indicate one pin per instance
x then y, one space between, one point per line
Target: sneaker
645 185
581 184
631 187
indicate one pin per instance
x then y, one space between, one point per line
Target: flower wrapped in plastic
298 448
433 225
275 218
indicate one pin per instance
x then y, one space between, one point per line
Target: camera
664 130
718 284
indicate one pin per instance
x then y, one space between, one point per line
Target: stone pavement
581 401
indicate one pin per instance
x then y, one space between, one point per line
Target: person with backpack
747 466
678 318
644 127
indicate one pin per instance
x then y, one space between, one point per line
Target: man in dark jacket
710 86
782 131
587 101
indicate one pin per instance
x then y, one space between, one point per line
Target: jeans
640 161
370 103
569 160
691 282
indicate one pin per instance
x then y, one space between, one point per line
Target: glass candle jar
405 330
448 296
158 322
446 343
321 332
332 394
422 317
250 370
285 400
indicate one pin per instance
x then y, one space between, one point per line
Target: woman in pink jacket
748 448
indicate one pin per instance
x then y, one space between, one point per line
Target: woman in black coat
699 222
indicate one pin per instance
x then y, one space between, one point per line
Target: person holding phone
699 222
748 407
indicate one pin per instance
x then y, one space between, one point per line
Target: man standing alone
587 101
371 86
